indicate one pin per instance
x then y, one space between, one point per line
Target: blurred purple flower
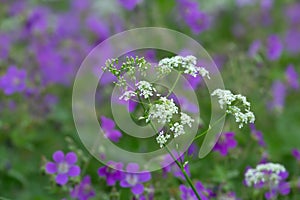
187 106
129 4
283 188
64 166
292 40
84 190
279 94
197 20
225 143
257 135
112 172
98 27
296 154
13 81
254 48
5 41
274 47
188 194
108 126
193 150
134 178
292 77
169 166
292 13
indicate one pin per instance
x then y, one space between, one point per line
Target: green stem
174 85
203 133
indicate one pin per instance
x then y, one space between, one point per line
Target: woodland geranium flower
254 48
13 81
84 190
108 126
225 143
279 94
292 77
274 47
112 172
188 194
257 135
64 167
134 179
296 154
173 168
129 4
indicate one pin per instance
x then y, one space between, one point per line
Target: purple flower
274 47
188 194
254 48
197 20
129 4
283 188
169 166
64 166
133 178
186 105
257 135
279 94
5 41
296 154
98 27
292 40
13 81
108 126
292 77
292 13
112 172
84 190
225 142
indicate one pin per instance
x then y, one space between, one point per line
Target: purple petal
71 158
102 171
58 156
124 183
74 171
61 179
132 167
137 189
144 177
51 168
284 188
107 123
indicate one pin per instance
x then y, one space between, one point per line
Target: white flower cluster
145 88
162 111
268 173
186 119
162 139
188 64
177 129
127 95
226 98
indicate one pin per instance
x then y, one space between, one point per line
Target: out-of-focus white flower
268 173
127 95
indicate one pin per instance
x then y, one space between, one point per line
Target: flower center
132 179
63 168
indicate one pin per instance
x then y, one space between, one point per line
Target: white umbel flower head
242 114
177 129
162 139
162 111
146 89
265 174
188 64
127 95
186 119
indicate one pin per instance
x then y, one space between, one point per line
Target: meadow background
255 44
